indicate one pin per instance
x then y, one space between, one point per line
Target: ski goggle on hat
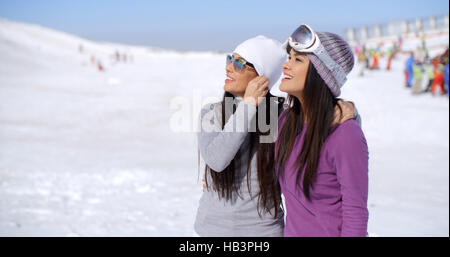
305 40
238 63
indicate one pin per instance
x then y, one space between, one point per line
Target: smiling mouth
285 76
229 79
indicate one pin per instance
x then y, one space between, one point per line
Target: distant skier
424 47
430 73
417 73
117 56
389 56
367 55
446 85
362 60
438 79
400 42
100 66
374 61
395 50
409 70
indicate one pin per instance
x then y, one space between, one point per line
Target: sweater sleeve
219 146
352 161
357 117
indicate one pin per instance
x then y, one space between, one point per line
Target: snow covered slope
92 153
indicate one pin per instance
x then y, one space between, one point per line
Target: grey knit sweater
238 216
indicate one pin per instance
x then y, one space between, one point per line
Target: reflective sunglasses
238 63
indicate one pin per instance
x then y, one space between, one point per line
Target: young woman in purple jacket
322 168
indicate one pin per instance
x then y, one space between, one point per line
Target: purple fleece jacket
338 205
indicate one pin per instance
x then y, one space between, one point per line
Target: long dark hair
317 108
225 182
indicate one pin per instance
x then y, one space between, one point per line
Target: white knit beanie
266 54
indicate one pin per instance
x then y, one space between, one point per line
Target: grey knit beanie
340 51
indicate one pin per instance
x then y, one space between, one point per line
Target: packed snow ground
89 153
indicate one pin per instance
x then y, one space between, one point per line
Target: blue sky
208 25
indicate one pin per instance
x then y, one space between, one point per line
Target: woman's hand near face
257 87
348 112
